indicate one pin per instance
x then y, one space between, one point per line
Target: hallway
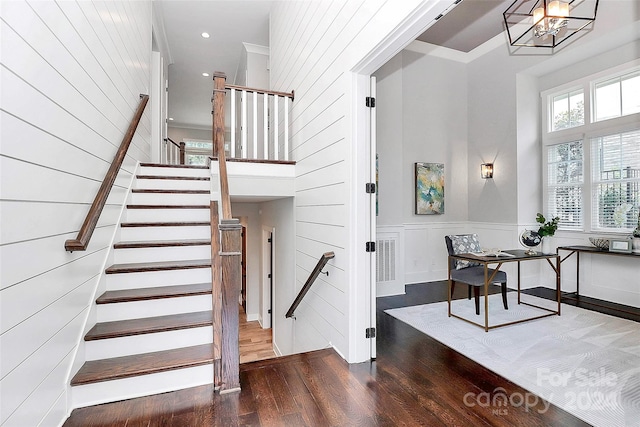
255 343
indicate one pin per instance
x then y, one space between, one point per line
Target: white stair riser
174 253
147 343
152 308
170 199
157 171
137 234
151 279
167 215
172 184
144 385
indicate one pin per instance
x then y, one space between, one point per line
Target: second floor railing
258 123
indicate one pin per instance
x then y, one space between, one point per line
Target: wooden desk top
512 255
594 250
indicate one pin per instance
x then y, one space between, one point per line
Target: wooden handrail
218 140
81 242
312 278
172 141
263 91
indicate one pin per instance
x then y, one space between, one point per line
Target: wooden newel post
182 148
231 254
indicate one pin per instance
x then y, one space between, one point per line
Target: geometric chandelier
547 23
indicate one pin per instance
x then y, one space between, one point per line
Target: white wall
179 134
421 107
314 47
254 231
503 127
279 214
71 77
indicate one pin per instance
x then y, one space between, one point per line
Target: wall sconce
486 170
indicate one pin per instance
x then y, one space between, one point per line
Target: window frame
586 132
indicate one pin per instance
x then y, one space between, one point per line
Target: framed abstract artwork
429 188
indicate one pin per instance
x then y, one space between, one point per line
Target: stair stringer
91 316
143 385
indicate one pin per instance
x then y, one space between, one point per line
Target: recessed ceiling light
205 35
170 118
205 74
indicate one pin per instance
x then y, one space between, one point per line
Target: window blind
615 181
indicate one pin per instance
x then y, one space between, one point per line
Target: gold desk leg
486 299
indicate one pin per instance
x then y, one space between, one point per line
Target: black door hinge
269 311
371 246
370 332
269 240
371 187
370 101
269 276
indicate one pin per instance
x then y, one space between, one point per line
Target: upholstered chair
471 273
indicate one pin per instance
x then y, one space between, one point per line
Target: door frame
268 268
362 264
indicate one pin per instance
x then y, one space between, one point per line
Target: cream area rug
584 362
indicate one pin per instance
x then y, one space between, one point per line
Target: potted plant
547 230
636 236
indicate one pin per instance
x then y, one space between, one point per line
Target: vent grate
386 260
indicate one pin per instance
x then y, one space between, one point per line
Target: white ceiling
464 27
468 25
234 22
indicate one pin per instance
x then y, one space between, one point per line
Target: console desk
577 250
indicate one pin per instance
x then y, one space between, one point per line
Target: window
592 152
616 181
197 152
617 97
565 179
567 110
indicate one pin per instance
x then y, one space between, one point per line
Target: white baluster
244 124
275 128
265 126
233 123
286 128
255 125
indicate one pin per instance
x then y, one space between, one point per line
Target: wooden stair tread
167 206
94 371
154 191
160 292
162 165
158 266
161 243
148 325
166 224
179 178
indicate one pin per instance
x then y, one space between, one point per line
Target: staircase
154 323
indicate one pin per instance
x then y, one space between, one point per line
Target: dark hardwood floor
414 381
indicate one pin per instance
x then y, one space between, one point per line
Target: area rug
584 362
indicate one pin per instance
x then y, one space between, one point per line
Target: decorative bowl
600 243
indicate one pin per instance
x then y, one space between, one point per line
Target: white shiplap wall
71 75
314 47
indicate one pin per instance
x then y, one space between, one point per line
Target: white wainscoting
609 278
